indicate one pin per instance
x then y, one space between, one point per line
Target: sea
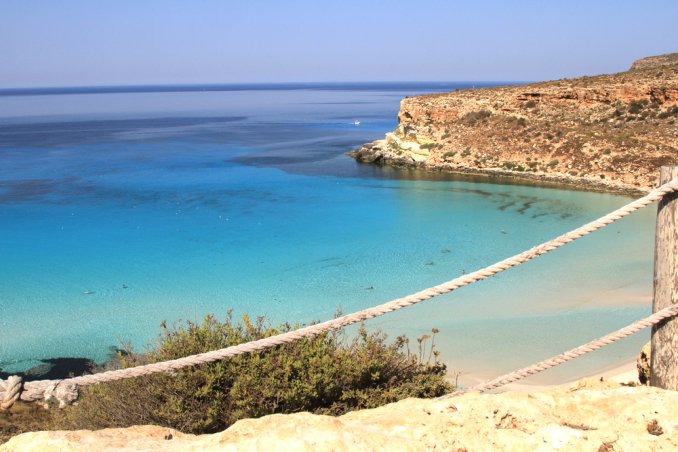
123 207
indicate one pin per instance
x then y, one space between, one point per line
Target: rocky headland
589 415
608 132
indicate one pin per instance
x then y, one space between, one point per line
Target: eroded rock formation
607 131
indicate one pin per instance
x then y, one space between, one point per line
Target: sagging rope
595 344
66 390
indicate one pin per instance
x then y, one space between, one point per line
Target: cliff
608 131
590 415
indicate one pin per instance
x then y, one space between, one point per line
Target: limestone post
664 361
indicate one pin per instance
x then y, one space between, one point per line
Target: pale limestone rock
643 364
581 417
417 157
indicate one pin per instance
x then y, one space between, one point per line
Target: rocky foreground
591 415
611 132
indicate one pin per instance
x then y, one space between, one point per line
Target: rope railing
569 355
65 391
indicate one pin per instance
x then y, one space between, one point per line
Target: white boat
356 123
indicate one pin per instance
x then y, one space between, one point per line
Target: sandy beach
626 372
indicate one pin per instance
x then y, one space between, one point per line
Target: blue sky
86 42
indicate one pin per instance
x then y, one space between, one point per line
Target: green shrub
393 147
636 106
473 117
530 104
327 374
670 112
515 121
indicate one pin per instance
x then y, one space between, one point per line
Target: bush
637 106
670 112
472 117
326 374
515 121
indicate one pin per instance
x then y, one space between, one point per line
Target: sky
130 42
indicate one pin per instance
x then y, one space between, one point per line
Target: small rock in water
124 286
430 263
445 251
369 288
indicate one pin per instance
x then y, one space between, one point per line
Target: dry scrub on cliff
327 374
613 130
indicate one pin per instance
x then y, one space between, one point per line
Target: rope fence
66 391
569 355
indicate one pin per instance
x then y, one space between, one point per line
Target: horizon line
180 87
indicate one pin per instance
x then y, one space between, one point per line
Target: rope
36 389
12 392
541 366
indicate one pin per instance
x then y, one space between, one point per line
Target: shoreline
61 367
495 175
623 373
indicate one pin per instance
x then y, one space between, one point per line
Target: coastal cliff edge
607 132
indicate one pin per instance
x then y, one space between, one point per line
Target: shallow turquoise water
118 211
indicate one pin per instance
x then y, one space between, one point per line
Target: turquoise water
120 210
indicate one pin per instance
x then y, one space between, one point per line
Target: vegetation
668 113
327 374
23 417
637 106
515 121
476 116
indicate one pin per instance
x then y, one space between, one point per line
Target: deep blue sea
121 208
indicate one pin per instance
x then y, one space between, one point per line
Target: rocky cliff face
591 415
612 131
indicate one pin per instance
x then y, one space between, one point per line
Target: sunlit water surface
120 210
